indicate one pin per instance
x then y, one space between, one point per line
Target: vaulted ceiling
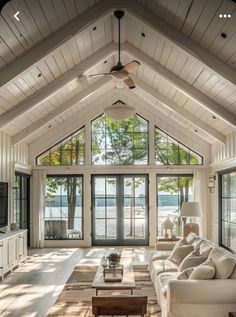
187 55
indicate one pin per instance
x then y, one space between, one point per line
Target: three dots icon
224 16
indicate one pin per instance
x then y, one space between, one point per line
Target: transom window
119 142
169 151
69 151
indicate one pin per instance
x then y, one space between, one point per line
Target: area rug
75 299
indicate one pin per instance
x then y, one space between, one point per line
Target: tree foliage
119 142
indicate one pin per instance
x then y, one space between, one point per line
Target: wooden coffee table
127 283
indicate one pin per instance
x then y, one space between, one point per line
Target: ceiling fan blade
131 67
129 82
99 75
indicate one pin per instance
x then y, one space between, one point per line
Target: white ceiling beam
180 111
86 93
98 11
51 88
182 85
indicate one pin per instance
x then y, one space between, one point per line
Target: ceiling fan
119 71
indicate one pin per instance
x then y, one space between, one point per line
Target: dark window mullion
105 208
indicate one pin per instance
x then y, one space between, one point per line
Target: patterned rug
75 299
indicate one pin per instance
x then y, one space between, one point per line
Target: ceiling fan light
120 112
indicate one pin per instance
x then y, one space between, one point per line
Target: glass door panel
135 208
120 210
104 209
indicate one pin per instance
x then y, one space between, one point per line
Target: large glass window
21 201
119 142
228 210
172 191
168 151
67 152
64 207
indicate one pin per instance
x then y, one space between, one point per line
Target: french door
120 210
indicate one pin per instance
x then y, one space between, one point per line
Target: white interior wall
12 158
223 158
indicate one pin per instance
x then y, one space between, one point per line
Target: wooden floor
32 289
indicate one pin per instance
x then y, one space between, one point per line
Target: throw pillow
179 243
204 271
180 253
205 248
223 262
192 259
191 237
185 274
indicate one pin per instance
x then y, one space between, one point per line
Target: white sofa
192 298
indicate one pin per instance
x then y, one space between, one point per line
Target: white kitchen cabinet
13 250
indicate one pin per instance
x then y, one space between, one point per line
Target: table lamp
190 210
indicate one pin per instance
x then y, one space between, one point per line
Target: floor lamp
190 210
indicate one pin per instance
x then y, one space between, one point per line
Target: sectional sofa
214 297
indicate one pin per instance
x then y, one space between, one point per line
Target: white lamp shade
191 209
119 112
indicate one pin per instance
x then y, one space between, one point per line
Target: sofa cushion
161 255
180 253
184 275
160 266
204 271
192 259
164 280
224 263
233 275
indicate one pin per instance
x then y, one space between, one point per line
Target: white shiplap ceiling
56 42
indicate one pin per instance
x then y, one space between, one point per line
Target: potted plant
114 259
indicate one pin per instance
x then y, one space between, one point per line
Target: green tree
68 152
72 185
171 152
119 142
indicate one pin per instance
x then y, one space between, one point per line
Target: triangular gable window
169 151
67 152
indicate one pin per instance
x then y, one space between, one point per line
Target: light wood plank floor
32 289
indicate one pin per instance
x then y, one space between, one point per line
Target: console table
166 243
13 250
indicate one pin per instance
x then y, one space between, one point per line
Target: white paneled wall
223 157
9 157
5 157
20 153
220 152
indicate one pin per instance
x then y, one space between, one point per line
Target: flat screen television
3 204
